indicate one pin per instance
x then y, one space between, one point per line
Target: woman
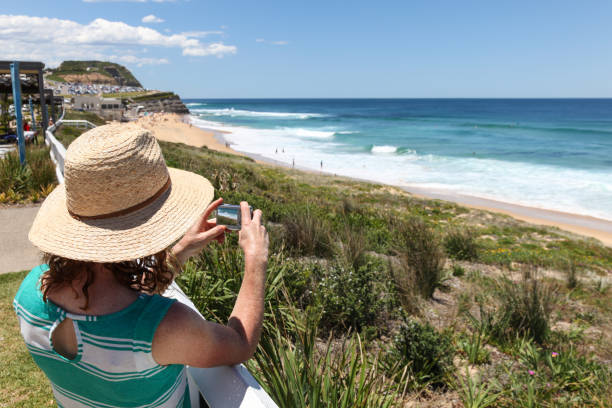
92 317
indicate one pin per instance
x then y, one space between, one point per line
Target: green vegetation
29 183
461 245
90 116
362 304
364 309
127 94
22 382
111 72
153 96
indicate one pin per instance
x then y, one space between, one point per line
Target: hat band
125 211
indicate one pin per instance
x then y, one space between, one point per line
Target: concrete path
16 252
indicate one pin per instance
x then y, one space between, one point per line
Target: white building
108 108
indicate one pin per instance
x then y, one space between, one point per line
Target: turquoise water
551 154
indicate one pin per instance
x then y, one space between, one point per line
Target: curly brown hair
151 274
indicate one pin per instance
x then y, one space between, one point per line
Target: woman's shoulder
29 297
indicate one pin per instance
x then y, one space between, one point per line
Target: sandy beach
170 127
177 129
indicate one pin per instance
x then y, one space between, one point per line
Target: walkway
16 251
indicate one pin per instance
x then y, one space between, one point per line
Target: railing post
32 114
16 80
43 104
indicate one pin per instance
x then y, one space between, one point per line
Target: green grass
23 384
126 94
90 116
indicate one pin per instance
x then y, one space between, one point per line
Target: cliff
158 102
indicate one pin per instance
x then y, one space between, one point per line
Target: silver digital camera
230 215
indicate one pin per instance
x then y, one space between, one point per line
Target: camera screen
229 216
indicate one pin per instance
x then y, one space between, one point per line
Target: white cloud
211 49
140 61
260 40
25 37
151 18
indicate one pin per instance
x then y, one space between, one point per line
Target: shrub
428 352
572 274
458 271
474 349
460 244
524 309
351 246
305 373
476 393
307 233
30 182
347 297
527 305
421 259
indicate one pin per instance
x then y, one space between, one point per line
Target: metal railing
58 151
226 386
79 123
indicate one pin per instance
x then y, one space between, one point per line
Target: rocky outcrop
165 103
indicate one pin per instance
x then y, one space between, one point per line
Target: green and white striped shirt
114 366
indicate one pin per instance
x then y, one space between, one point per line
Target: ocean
553 154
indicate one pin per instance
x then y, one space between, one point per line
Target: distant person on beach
293 164
96 317
321 163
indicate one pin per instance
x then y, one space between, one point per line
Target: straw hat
119 200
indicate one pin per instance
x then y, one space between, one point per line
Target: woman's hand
200 234
253 237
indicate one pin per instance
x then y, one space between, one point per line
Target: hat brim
143 232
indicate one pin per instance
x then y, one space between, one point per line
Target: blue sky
328 48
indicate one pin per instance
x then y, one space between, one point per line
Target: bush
572 274
460 244
473 347
305 373
421 259
527 305
31 182
307 233
428 353
458 271
351 246
524 310
347 297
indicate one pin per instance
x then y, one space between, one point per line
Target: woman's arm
183 337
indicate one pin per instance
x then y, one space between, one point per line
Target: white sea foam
231 112
311 133
384 149
577 191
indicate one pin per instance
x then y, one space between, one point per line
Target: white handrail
79 123
225 386
58 151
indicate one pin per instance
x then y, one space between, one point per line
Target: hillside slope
94 72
